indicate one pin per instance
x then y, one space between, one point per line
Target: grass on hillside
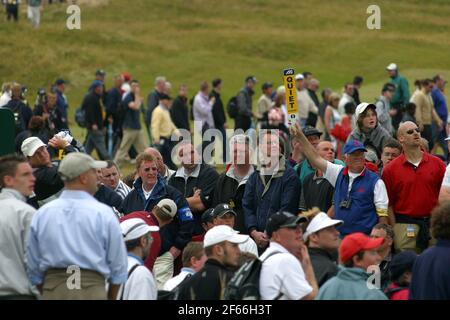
195 40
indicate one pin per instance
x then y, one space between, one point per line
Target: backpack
245 283
80 117
232 107
16 107
128 277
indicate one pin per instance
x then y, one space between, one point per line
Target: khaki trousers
131 137
60 285
163 269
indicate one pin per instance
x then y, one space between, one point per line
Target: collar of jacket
353 274
324 253
279 171
215 262
160 184
231 173
361 174
12 193
194 174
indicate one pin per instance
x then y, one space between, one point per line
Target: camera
345 204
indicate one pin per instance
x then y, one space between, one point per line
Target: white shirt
175 281
380 196
282 273
147 194
249 246
4 99
15 221
344 100
305 104
183 174
446 180
241 180
141 284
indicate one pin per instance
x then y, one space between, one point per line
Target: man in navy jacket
272 187
148 190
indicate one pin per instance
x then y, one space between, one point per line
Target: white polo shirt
282 273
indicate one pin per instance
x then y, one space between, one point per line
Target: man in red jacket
161 215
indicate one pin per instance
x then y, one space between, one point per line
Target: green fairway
191 41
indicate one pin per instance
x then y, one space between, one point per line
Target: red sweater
155 247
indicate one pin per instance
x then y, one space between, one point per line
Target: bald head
405 126
408 135
159 159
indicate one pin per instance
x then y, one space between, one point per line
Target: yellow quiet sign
291 95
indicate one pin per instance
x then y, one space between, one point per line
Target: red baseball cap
355 242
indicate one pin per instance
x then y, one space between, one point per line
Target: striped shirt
122 189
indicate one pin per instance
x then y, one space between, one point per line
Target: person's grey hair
160 79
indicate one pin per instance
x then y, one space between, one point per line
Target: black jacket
315 194
206 181
180 113
217 110
55 122
177 233
48 181
92 105
227 190
324 264
22 114
356 96
207 284
107 196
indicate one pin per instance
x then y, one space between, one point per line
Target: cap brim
328 224
33 151
153 228
358 149
373 243
295 223
225 212
238 238
99 164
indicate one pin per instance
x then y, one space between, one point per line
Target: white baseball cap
30 146
76 163
299 76
391 67
223 233
362 107
135 228
168 206
319 222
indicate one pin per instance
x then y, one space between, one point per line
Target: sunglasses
411 131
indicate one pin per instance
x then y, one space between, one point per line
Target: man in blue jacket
148 190
431 273
360 197
271 188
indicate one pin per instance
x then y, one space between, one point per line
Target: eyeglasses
411 131
150 169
